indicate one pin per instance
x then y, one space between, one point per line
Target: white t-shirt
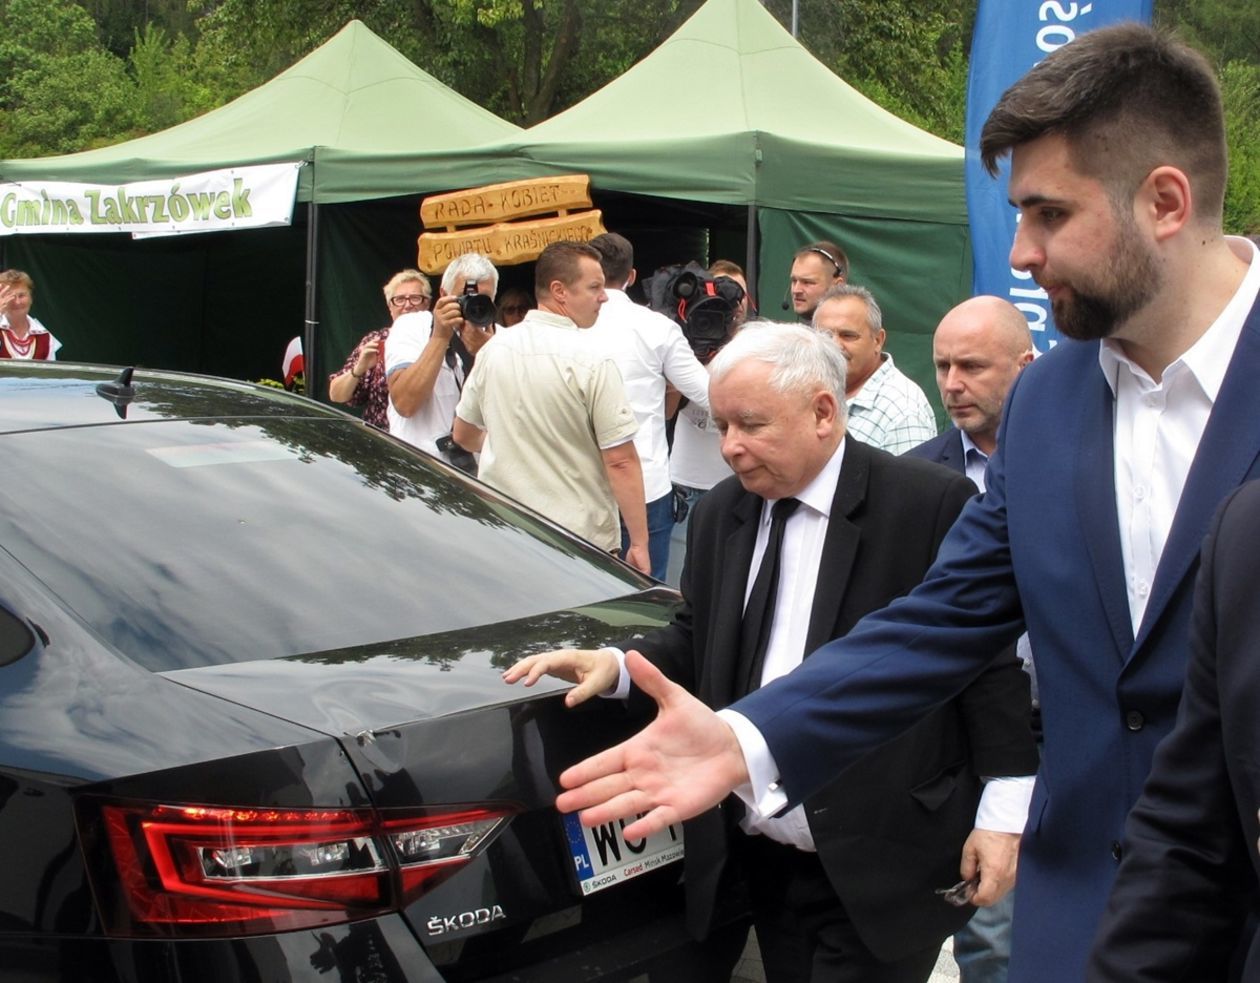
407 338
649 349
696 460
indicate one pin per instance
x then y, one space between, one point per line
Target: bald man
979 348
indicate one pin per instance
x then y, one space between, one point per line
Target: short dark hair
559 261
828 251
616 256
1128 98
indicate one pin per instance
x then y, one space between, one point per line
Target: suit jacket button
1117 851
1134 720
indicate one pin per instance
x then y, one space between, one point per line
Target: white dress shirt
1158 426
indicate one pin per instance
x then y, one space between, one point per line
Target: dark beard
1094 311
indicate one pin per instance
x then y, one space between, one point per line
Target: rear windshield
199 543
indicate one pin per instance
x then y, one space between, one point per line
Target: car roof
55 395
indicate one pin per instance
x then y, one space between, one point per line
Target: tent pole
309 354
750 253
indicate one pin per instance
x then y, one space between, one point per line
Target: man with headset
816 268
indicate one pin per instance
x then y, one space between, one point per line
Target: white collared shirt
800 560
1158 426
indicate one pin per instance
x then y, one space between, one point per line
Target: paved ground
749 969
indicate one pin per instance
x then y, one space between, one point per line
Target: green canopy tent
367 123
732 110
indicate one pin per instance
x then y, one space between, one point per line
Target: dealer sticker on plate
604 857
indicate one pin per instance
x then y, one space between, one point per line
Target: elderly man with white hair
427 355
812 532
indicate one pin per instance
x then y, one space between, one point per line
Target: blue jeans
982 947
678 545
660 520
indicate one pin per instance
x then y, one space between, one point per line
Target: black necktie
754 634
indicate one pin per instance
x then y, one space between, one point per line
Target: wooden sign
500 202
491 208
508 242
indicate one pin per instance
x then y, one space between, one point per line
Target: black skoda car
252 725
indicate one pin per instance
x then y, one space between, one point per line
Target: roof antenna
118 391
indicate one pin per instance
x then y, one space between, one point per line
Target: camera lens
686 285
477 309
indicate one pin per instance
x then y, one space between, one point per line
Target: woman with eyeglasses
361 381
22 336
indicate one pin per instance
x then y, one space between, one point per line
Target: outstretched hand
686 761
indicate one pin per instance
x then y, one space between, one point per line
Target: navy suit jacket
1191 870
1039 550
945 448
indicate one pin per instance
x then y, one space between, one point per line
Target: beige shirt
550 399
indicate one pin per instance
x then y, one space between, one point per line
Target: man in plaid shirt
886 409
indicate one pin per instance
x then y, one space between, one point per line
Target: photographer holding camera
427 356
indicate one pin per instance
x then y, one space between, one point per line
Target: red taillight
207 870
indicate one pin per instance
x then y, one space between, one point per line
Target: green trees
60 91
1240 87
75 75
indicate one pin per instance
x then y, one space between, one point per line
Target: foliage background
77 74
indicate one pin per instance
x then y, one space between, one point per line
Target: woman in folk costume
22 336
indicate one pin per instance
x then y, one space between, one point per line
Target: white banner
234 198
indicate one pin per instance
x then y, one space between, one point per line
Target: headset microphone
787 298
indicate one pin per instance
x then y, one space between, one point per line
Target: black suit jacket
1190 877
890 829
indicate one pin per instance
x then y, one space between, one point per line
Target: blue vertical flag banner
1011 36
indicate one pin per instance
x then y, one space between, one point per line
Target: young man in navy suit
1115 450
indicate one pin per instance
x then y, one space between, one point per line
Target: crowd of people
917 681
415 379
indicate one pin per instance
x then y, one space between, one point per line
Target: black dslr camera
703 306
475 308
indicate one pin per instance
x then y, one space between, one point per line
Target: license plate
602 856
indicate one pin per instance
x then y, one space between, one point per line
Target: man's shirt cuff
1004 804
622 690
762 794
